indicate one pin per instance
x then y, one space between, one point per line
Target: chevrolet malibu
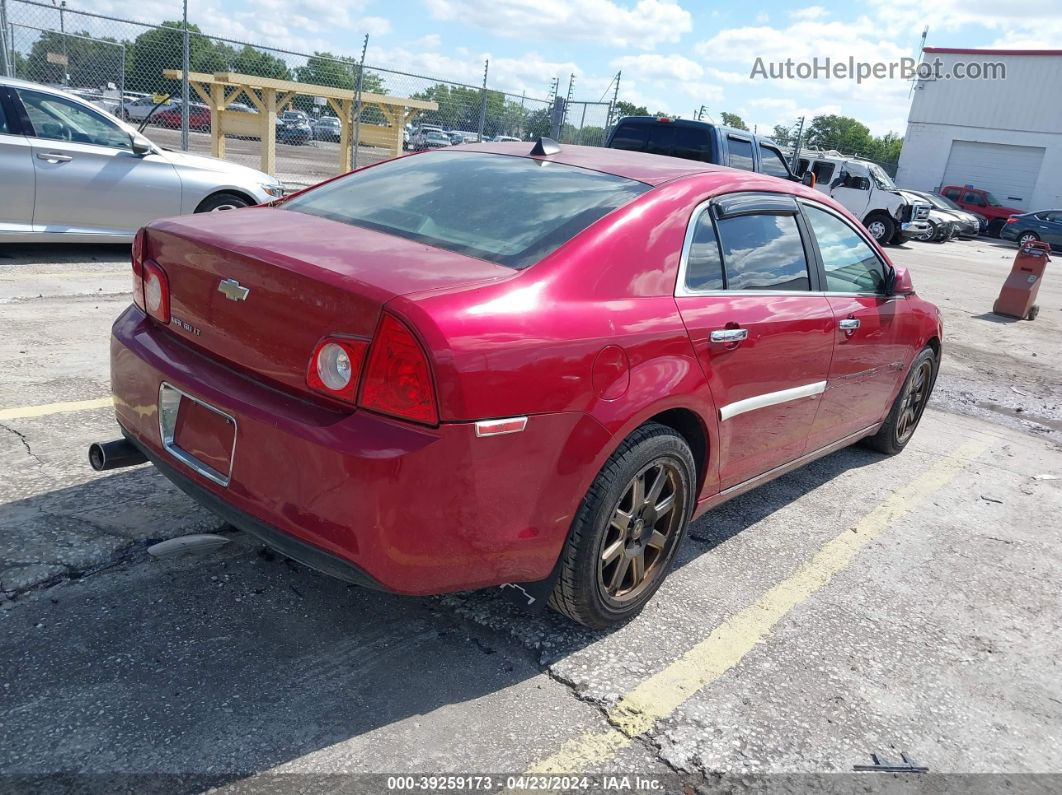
502 365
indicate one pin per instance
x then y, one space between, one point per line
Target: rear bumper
402 508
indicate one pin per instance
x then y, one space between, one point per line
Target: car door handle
54 157
849 324
729 335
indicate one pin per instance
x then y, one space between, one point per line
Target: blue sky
675 54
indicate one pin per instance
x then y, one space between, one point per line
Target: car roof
647 168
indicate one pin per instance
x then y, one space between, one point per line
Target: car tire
910 403
881 228
1026 237
598 584
219 202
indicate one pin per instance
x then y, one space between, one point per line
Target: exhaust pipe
114 455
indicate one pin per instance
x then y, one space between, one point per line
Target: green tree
630 109
783 136
252 61
161 48
842 133
90 62
733 120
325 69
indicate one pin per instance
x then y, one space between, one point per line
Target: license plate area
197 434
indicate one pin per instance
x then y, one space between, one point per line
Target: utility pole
921 53
8 67
62 30
483 100
185 69
796 146
614 107
356 142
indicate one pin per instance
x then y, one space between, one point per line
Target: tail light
397 377
1012 219
138 269
335 368
156 292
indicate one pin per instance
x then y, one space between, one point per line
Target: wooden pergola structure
271 97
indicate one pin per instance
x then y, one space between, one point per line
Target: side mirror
141 146
808 179
898 281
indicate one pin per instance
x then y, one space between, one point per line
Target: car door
16 165
88 179
761 335
1052 231
870 328
851 187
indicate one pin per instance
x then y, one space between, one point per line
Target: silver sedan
74 173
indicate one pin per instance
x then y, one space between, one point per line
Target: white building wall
1023 110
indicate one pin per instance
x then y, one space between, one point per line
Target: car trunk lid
260 287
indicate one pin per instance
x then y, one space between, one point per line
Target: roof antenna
545 146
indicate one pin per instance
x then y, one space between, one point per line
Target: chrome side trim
771 399
167 426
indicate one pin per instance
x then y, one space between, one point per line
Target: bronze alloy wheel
914 401
644 527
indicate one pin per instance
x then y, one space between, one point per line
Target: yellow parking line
54 408
659 695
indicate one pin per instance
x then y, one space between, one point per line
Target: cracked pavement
236 668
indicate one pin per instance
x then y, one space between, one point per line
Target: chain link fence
119 64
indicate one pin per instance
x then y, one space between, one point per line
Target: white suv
868 193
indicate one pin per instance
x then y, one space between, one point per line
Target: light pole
184 79
62 30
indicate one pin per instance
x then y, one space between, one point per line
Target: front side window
763 252
883 180
952 194
740 153
59 119
772 162
512 211
973 198
850 263
3 119
823 171
704 265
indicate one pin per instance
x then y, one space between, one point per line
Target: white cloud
653 66
641 25
809 13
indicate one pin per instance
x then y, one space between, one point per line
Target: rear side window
952 194
663 138
3 118
740 153
632 137
850 263
509 210
704 265
763 252
772 162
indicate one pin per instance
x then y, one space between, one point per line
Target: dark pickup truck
698 140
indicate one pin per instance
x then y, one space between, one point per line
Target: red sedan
483 366
198 118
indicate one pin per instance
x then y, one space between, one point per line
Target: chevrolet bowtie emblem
231 289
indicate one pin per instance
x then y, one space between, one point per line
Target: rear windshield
663 138
509 210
